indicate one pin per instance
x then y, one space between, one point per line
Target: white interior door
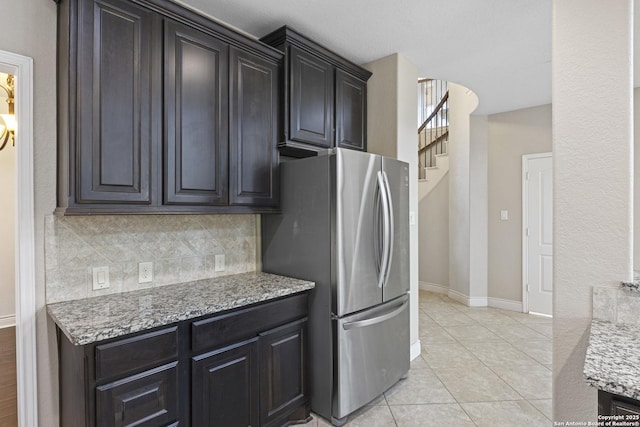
538 232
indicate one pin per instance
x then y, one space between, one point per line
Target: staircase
433 133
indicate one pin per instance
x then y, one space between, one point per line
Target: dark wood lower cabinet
282 374
241 368
149 398
225 389
613 404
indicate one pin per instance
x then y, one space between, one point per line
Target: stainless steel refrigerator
345 226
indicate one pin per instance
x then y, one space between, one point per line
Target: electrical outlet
145 272
100 278
219 265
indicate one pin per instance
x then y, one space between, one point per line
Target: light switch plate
504 215
100 278
219 263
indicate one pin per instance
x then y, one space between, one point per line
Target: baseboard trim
466 300
415 350
505 304
7 321
433 287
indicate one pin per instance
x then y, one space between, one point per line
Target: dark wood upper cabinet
155 116
253 157
325 97
351 112
116 89
310 99
196 117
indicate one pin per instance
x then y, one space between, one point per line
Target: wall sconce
8 129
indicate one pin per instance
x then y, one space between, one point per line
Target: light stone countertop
613 358
89 320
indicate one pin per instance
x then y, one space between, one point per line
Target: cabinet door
225 387
117 86
351 112
283 384
196 114
148 399
311 99
613 404
253 156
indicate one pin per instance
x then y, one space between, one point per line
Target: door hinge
526 231
528 287
527 176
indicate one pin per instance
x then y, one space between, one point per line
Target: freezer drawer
372 354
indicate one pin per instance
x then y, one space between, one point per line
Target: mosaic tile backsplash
181 247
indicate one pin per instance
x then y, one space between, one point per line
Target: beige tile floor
478 367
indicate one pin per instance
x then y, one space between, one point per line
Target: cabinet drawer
147 399
123 356
233 327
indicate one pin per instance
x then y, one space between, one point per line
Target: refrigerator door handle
389 230
386 226
377 319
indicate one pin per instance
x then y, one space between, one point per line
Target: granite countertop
613 358
94 319
631 286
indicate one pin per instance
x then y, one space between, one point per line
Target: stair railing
433 132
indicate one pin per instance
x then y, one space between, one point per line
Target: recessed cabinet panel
351 112
282 381
225 387
311 103
115 85
254 145
148 399
196 133
145 106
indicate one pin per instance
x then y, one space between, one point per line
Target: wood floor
8 393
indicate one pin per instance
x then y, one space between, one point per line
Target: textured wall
636 171
391 131
511 135
181 247
407 118
478 195
592 159
433 235
459 139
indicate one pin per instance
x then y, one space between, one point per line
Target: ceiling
500 49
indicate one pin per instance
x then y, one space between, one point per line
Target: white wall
463 103
7 223
478 205
382 106
407 134
592 156
511 135
433 236
391 131
636 177
18 35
